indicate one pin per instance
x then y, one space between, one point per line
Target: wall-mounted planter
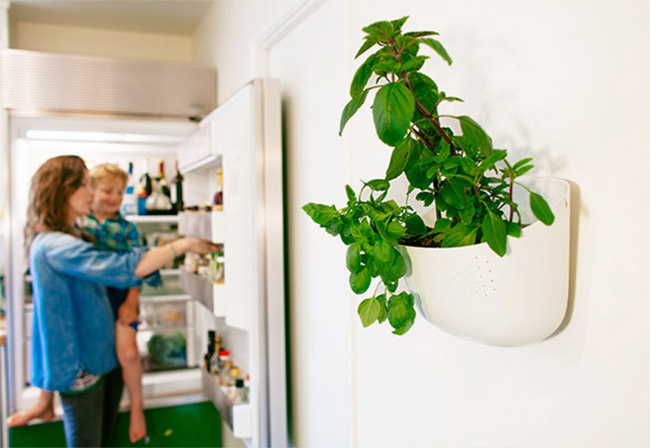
513 300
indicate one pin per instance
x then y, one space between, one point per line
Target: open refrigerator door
232 166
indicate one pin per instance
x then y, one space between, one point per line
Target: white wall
101 42
224 37
316 170
568 83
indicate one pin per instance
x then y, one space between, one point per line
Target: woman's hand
155 258
201 247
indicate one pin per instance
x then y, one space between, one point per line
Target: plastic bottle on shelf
144 188
218 195
130 201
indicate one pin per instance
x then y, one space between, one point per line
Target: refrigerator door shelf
205 225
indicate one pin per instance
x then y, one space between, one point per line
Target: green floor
192 425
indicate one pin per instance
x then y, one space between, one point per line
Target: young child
111 232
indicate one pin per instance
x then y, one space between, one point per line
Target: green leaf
399 158
497 155
351 108
396 230
425 197
421 33
350 193
369 43
397 269
378 184
397 24
369 311
522 162
320 213
514 229
467 214
524 169
437 47
360 281
381 299
494 233
475 135
382 30
459 235
401 313
392 112
414 64
383 253
454 194
353 258
415 225
442 225
540 209
363 74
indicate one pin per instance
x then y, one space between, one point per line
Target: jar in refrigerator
238 395
216 268
191 262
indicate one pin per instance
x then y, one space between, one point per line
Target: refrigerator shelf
211 296
238 416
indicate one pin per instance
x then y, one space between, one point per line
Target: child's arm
128 311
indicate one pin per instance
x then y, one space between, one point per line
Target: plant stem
512 185
428 115
419 106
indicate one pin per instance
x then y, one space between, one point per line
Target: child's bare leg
43 409
127 354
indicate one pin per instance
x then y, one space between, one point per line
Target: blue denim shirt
73 326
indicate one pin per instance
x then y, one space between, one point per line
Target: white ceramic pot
513 300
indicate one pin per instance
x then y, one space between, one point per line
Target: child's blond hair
108 172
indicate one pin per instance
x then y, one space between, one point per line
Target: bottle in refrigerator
239 395
130 201
158 202
223 358
214 360
218 195
162 181
144 188
225 377
177 192
207 359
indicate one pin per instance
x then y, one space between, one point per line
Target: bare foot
24 417
138 427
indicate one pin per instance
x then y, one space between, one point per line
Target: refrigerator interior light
107 137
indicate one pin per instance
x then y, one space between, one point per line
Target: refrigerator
242 138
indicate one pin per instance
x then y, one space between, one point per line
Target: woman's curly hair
52 185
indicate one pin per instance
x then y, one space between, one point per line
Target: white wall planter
513 300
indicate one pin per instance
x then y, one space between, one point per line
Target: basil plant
463 178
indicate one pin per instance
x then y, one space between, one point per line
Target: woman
74 333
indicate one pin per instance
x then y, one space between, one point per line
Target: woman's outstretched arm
157 257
